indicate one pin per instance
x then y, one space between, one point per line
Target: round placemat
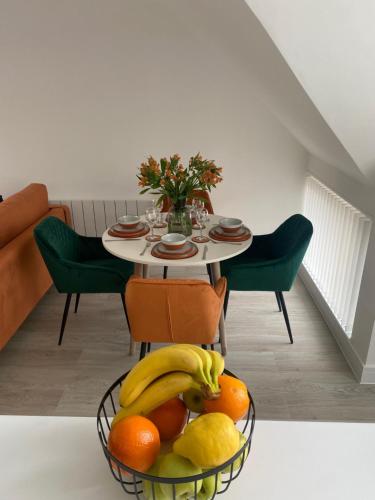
216 233
159 251
127 233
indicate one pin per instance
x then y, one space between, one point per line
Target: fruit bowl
131 480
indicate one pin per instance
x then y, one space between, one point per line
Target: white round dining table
131 250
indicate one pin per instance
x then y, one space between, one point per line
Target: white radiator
337 251
92 217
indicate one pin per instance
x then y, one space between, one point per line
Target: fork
148 244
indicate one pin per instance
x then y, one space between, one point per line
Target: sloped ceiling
237 29
330 47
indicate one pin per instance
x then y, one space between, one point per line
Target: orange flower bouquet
171 180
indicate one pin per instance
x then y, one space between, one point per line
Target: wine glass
160 223
151 218
201 216
197 205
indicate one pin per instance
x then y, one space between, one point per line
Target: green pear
147 485
173 465
193 398
238 461
159 495
208 487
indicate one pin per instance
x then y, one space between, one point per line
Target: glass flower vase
179 220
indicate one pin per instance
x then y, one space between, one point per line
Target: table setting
159 243
182 219
180 209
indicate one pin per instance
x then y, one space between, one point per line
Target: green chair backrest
57 239
68 258
292 237
59 245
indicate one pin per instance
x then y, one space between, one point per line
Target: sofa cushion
21 210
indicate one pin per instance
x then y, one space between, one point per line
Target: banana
205 357
163 389
154 365
217 368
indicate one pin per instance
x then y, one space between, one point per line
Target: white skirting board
363 373
93 217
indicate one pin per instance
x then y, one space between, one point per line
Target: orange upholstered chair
204 195
178 311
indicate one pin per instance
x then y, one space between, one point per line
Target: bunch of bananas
164 374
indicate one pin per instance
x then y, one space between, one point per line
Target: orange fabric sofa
181 311
24 278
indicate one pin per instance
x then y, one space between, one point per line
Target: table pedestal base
216 275
138 271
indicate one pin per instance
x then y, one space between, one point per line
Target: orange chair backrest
202 194
181 311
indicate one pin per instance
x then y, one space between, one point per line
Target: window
337 251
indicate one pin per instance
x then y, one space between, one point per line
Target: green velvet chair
79 264
271 262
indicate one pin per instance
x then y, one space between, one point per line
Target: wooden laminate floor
309 380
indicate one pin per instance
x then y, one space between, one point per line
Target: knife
205 252
124 239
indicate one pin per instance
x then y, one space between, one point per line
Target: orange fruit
233 400
135 442
170 418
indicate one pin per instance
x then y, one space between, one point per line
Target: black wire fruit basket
132 480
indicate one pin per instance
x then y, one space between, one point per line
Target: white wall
362 197
88 89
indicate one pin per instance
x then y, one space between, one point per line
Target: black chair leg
212 347
125 311
285 312
209 272
204 346
148 346
278 300
165 272
65 316
226 300
142 354
77 302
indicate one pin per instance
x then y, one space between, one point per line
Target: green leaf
163 165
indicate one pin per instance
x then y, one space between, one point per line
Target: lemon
209 440
238 461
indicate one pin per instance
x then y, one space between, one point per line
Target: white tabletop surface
60 458
129 250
